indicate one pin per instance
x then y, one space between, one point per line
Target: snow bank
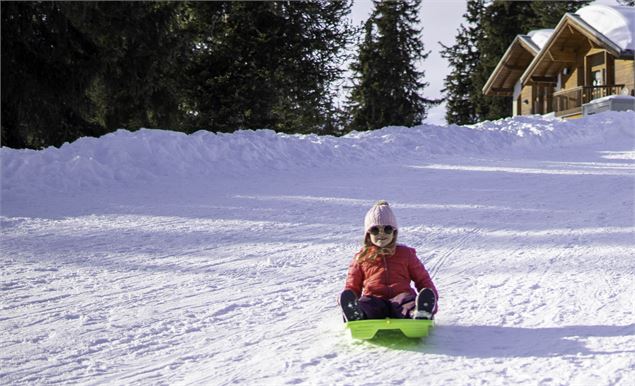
147 155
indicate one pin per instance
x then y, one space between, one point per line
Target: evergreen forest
74 69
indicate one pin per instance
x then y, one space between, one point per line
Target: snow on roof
617 23
530 44
540 36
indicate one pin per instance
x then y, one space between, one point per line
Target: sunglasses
385 229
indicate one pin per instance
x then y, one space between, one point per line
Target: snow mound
147 155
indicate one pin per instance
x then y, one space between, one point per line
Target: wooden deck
570 101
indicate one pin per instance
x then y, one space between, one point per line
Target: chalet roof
519 54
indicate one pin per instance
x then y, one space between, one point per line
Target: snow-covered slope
157 257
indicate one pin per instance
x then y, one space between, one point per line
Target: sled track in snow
457 244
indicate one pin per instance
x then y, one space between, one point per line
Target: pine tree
463 58
501 22
265 64
308 83
139 43
72 69
47 65
387 86
548 13
85 68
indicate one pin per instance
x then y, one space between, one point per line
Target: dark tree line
86 68
72 69
264 65
489 28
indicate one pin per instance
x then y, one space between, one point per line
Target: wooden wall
625 73
576 74
571 80
526 94
616 71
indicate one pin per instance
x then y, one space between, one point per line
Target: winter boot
350 306
424 304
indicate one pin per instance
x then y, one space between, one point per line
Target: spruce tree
47 65
501 22
73 69
136 82
548 13
265 64
463 58
387 87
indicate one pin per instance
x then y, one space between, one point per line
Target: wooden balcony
570 101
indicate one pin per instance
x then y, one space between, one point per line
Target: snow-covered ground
155 257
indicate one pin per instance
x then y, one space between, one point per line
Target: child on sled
379 278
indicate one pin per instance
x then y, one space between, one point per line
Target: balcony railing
570 101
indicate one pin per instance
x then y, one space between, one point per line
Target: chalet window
596 64
597 78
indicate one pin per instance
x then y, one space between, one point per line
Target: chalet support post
610 69
604 70
609 63
587 71
580 71
549 106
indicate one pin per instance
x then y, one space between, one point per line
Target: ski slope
154 257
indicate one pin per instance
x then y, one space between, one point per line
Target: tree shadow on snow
507 342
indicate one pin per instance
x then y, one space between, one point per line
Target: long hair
370 252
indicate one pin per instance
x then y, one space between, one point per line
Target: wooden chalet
587 56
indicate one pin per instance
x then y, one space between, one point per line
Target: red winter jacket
389 276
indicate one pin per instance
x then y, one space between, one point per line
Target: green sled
411 328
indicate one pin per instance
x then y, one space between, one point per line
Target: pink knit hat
379 214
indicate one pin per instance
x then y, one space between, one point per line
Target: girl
378 282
